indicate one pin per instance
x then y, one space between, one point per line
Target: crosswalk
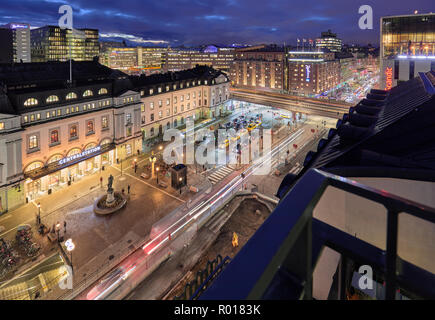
220 174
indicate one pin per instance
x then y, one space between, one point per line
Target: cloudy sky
193 22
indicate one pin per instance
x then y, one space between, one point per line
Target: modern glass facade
412 35
50 43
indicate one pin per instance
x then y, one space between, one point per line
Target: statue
109 184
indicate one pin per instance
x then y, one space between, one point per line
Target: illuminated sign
18 26
308 70
79 155
388 78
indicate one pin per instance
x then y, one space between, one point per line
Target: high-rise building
15 39
329 40
407 47
259 67
312 72
51 43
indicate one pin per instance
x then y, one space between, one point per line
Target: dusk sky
193 22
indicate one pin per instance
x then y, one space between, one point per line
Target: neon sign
18 26
388 78
308 70
79 155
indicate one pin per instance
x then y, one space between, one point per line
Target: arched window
88 93
73 152
152 132
182 120
71 95
168 125
33 166
30 102
52 98
54 158
102 91
175 122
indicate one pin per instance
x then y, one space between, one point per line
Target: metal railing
287 243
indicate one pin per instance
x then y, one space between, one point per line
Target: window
142 108
175 110
128 118
104 122
151 91
167 88
71 95
143 119
160 114
175 99
175 122
152 105
188 96
48 115
168 125
168 101
38 116
33 142
88 93
160 103
168 112
174 87
25 119
129 131
188 106
31 102
152 117
2 125
152 132
73 132
159 89
54 136
181 98
51 99
182 107
102 91
90 127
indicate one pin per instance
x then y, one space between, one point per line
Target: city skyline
227 22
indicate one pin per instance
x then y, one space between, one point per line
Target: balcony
295 254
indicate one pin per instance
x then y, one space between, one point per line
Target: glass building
411 35
51 43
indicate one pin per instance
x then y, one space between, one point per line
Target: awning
68 161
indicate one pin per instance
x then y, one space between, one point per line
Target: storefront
129 148
62 171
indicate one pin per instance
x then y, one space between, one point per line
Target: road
130 272
296 104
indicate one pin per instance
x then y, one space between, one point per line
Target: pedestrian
135 167
64 226
128 189
122 190
101 181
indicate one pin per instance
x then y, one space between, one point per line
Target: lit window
104 122
33 142
102 91
51 99
88 93
54 136
2 125
71 96
73 132
168 101
31 102
90 127
152 105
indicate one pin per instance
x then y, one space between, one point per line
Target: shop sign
388 78
79 155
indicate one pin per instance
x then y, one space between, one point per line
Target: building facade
407 47
51 43
329 41
53 133
15 39
312 72
259 68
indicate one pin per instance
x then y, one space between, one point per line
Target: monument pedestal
110 197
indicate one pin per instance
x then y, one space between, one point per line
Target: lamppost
153 160
181 179
135 165
58 231
70 247
39 213
157 174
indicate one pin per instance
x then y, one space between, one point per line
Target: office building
407 47
51 43
220 58
260 67
312 72
329 40
15 40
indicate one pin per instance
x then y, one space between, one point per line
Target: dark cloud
193 22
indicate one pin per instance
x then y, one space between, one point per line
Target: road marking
144 182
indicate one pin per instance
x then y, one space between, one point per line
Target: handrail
283 235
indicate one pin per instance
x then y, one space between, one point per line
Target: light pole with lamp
70 247
58 231
39 213
157 174
153 160
181 179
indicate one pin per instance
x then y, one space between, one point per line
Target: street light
153 160
39 213
70 247
58 231
181 179
157 174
